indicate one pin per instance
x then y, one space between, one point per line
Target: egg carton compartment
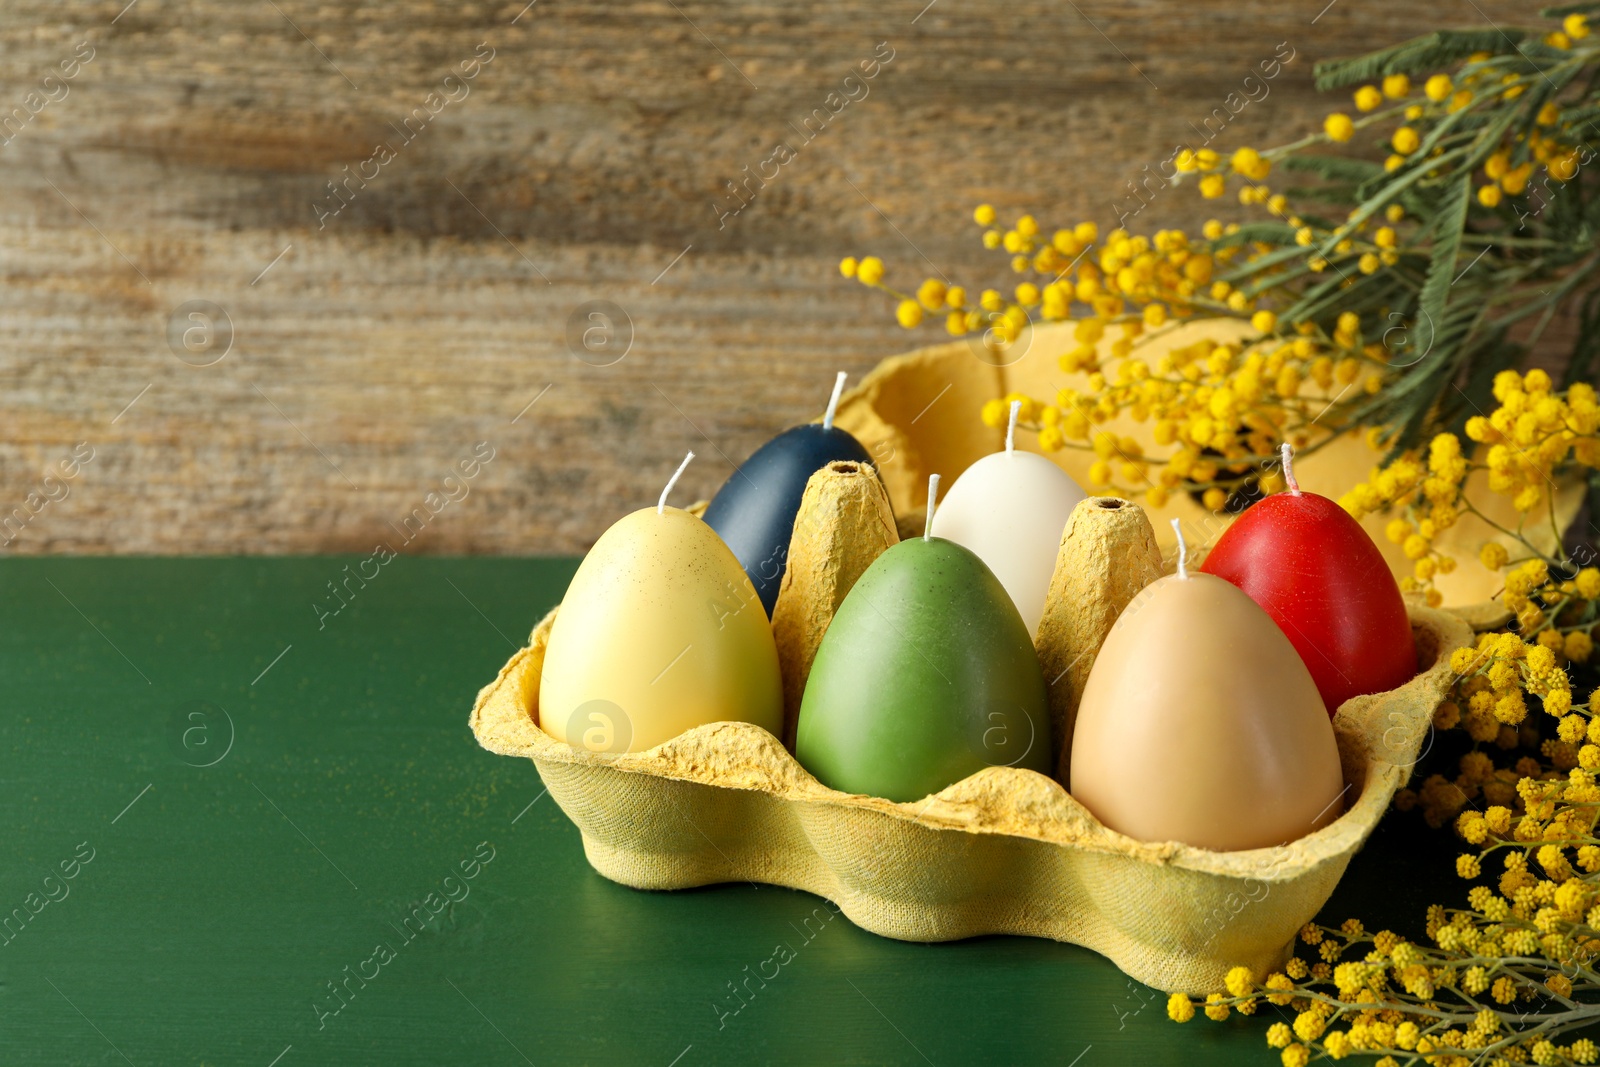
1004 851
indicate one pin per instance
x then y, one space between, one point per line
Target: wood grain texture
587 161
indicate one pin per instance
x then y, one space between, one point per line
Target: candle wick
661 505
1288 468
833 401
1011 427
1183 551
933 496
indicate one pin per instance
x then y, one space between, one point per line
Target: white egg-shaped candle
660 632
1010 509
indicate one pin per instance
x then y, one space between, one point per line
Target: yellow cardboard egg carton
1005 851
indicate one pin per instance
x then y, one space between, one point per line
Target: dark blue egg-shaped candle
754 511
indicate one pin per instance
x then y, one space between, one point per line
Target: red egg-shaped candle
1315 571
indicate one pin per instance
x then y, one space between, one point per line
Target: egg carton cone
1108 554
1006 850
843 525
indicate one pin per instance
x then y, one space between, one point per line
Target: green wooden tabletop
285 847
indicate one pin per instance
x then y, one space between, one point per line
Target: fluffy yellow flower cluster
1422 132
1431 498
1220 409
1554 139
1534 435
1489 701
1455 1003
1163 273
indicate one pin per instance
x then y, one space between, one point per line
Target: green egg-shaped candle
926 675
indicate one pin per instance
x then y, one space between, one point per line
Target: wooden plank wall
557 155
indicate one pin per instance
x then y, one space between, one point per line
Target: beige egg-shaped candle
1009 509
1200 724
660 631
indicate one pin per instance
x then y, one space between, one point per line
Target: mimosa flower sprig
1532 439
1494 996
1386 290
1511 978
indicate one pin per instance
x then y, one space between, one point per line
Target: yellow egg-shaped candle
660 631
